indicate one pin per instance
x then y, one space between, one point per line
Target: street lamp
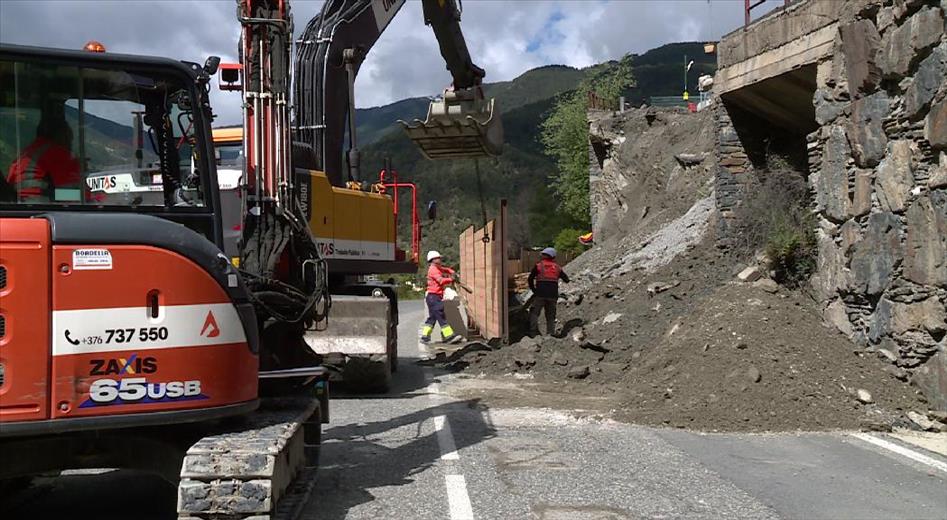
687 68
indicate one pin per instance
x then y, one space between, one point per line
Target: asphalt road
418 453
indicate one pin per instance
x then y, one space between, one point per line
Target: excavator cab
460 124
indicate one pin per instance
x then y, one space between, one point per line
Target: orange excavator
132 334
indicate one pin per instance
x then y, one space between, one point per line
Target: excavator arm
328 57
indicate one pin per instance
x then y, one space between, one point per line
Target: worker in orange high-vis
45 164
439 277
544 282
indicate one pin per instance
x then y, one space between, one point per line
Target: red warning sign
210 330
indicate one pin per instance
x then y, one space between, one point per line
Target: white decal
86 331
91 259
119 183
131 390
355 249
385 10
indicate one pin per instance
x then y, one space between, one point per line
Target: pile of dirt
657 324
686 346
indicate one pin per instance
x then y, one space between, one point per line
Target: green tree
567 241
565 133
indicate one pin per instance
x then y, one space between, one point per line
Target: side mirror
432 210
211 65
229 78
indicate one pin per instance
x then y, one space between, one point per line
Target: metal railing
753 4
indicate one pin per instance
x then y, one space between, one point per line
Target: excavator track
262 469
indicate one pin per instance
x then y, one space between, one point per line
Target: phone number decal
112 336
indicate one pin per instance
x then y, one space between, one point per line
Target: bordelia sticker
90 259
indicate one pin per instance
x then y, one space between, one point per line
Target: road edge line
901 450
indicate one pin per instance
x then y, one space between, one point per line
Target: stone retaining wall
878 167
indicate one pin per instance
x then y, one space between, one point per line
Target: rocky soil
658 328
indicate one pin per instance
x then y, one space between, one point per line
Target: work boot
453 338
425 339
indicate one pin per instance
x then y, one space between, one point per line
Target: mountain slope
523 173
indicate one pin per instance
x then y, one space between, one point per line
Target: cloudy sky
505 37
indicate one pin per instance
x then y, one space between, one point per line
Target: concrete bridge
852 95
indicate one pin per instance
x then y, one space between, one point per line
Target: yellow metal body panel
350 224
233 134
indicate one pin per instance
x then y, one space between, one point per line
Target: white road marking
457 498
901 450
445 439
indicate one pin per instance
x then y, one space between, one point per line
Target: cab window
85 136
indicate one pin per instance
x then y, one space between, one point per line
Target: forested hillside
523 173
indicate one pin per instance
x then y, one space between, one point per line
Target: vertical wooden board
504 277
492 271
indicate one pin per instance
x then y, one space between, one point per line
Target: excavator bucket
457 128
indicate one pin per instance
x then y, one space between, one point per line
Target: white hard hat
431 255
550 252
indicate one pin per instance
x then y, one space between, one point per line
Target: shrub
792 253
567 241
775 216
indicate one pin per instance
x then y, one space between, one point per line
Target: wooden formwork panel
484 271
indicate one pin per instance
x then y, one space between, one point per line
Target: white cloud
405 62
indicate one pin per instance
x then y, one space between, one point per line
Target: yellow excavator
301 161
155 288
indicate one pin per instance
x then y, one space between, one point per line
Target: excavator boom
460 124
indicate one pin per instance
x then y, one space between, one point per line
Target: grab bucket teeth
458 129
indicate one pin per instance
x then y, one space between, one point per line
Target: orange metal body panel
136 271
24 304
226 374
123 359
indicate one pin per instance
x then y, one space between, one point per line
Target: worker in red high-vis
544 282
439 277
46 163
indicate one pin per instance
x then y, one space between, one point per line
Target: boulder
767 285
861 41
865 133
580 372
921 421
864 396
935 128
875 258
851 234
899 318
831 276
831 186
753 374
938 174
689 159
896 176
929 77
836 314
899 45
864 184
524 359
827 109
611 317
750 274
925 249
931 379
